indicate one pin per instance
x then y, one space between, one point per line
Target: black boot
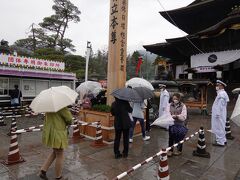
117 156
43 175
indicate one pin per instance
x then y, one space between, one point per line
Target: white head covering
162 86
220 82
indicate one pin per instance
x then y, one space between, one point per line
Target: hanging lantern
219 74
190 76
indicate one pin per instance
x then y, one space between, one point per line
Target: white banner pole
89 48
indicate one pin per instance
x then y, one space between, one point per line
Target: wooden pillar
117 46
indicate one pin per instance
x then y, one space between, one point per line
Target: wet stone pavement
84 162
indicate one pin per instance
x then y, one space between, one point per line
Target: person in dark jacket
15 95
122 123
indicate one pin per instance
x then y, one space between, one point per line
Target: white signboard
180 70
204 69
30 62
214 58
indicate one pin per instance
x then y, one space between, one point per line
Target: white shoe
146 138
130 140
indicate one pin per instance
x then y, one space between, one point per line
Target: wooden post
117 47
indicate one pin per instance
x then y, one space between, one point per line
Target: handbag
15 101
164 121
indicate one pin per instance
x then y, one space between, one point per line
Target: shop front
31 75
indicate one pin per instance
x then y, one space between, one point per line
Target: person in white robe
219 114
164 100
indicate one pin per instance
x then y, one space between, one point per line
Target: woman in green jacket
55 136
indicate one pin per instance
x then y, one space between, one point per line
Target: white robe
164 102
219 116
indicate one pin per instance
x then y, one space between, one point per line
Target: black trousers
175 138
148 127
118 134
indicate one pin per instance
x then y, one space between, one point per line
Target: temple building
211 50
31 75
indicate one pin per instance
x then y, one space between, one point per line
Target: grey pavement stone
7 176
3 169
83 161
217 174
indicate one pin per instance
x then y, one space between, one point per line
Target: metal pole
89 48
147 65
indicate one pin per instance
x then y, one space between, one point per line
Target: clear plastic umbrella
139 82
89 87
236 91
236 112
53 99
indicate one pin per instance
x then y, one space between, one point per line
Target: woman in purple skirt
177 131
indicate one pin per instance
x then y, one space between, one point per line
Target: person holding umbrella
122 123
138 108
138 115
54 102
55 136
121 108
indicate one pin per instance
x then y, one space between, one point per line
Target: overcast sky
145 24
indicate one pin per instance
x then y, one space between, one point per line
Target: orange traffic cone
201 146
2 123
13 126
28 112
228 130
14 156
99 139
163 172
76 133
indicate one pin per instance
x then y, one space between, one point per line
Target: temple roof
224 35
180 49
199 15
166 50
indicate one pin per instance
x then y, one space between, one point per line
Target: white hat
162 85
220 82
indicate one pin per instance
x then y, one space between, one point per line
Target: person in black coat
15 95
122 123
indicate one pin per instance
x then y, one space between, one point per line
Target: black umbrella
144 93
127 94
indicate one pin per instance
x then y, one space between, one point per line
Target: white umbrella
89 87
139 82
236 112
53 99
164 121
236 90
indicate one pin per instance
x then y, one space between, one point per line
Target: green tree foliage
51 33
65 12
98 65
132 61
49 54
147 68
76 64
4 47
73 63
52 24
25 43
37 39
